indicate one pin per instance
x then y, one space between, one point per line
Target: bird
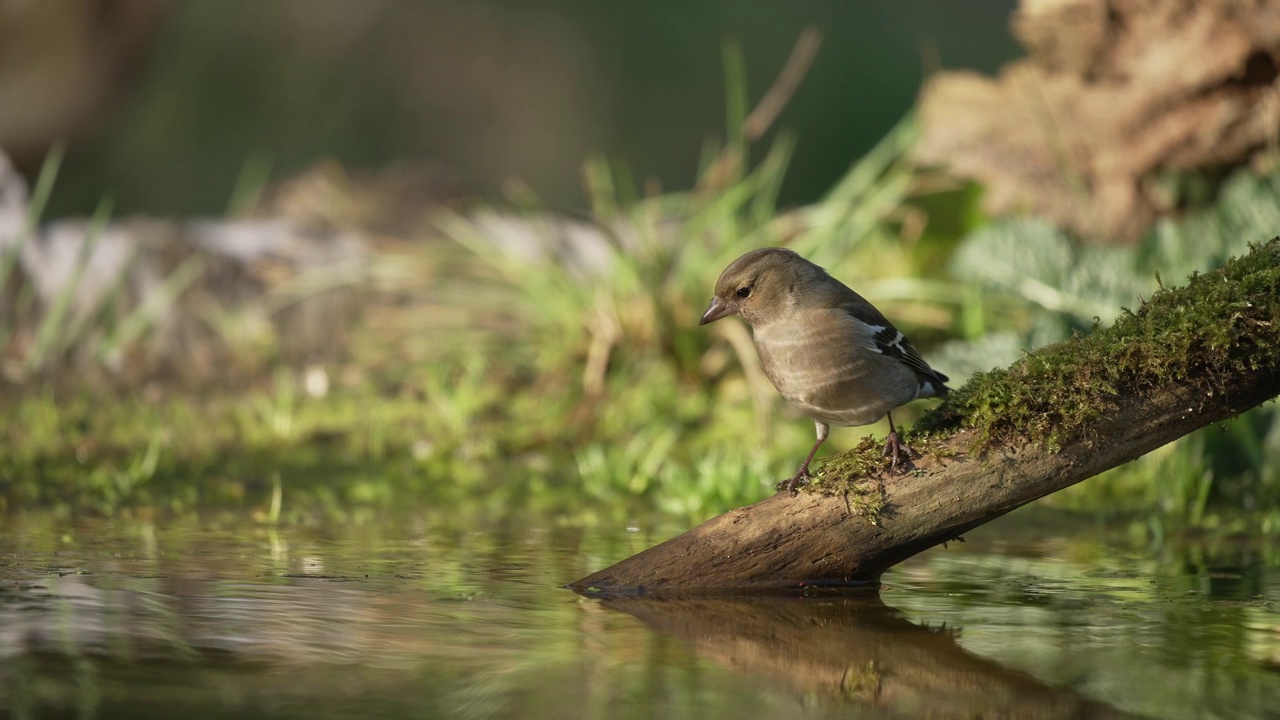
827 350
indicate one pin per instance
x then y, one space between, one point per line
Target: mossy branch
1187 358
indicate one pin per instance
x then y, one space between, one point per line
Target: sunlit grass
601 347
516 357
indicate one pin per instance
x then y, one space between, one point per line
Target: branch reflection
860 650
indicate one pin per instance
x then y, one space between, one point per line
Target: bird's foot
802 477
898 453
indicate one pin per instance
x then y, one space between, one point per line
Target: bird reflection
860 650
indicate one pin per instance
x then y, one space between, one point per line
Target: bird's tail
934 385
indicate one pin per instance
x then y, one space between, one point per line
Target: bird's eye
744 291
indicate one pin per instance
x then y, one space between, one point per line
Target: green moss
855 475
858 473
1201 335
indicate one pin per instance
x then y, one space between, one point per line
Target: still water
416 618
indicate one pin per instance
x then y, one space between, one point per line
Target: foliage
604 354
521 359
1031 286
1198 335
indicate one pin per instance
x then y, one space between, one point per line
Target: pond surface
211 618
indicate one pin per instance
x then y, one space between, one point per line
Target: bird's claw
802 477
894 449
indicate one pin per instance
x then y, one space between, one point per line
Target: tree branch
1190 357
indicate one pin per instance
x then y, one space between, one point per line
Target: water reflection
426 619
860 649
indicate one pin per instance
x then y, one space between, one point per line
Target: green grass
583 391
521 358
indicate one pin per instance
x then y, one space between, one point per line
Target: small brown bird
827 350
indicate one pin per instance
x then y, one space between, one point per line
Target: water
418 619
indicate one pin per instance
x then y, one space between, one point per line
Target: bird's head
759 285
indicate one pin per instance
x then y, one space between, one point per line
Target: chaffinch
825 348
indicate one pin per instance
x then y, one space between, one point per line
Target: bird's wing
889 340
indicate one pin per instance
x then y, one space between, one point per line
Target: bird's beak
715 311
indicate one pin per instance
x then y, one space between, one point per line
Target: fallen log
1188 358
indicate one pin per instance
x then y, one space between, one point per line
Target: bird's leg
893 447
802 475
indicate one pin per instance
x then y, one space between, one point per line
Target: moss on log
1190 357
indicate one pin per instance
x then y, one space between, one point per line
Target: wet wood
786 543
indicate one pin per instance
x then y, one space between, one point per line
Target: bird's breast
831 375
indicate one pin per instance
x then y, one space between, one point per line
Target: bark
784 543
1111 95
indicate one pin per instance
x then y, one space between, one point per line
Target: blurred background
411 249
165 103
